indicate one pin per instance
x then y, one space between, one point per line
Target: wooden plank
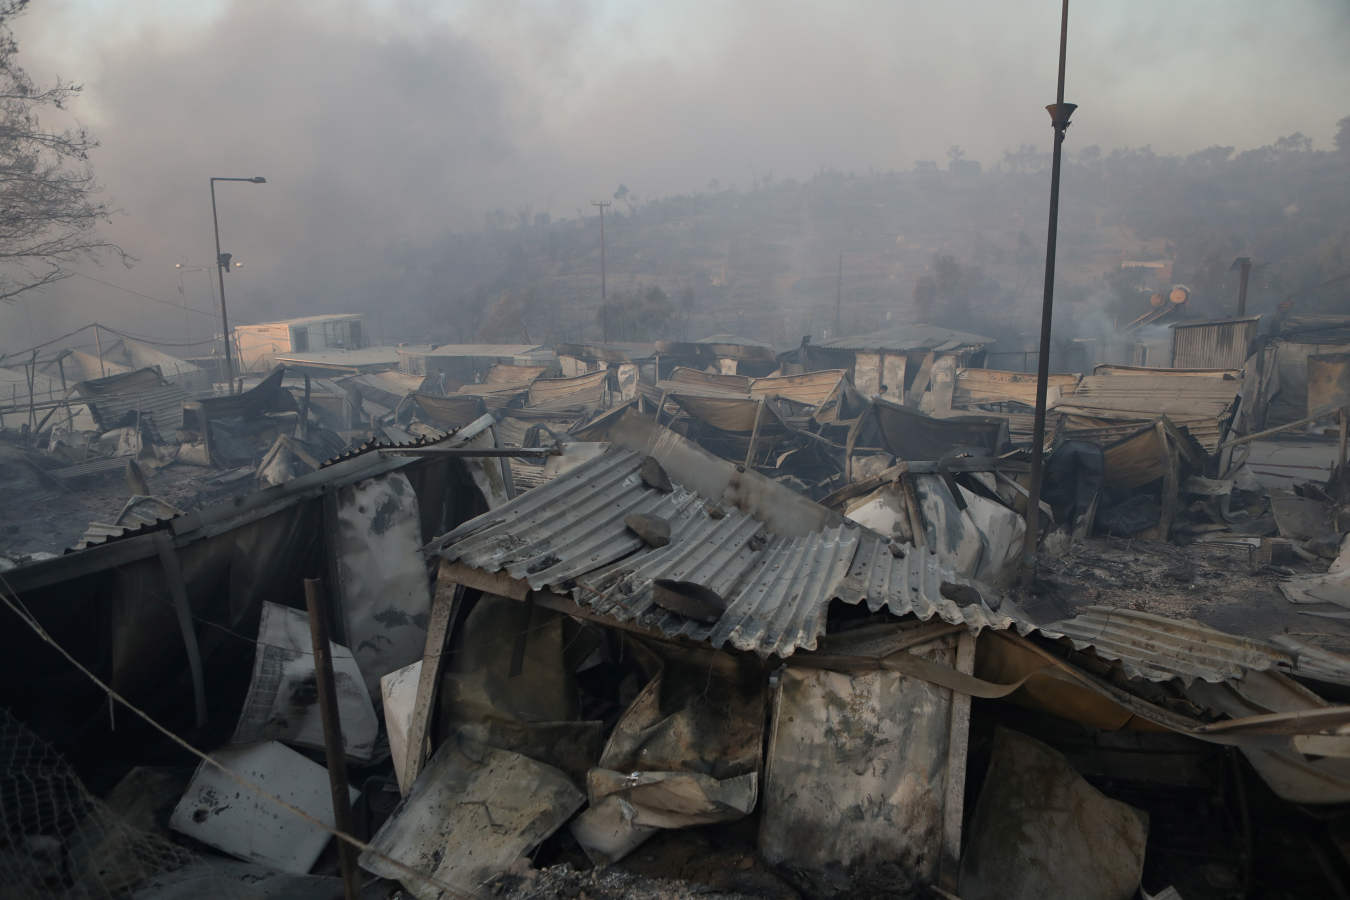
754 435
499 583
913 510
444 608
921 380
958 749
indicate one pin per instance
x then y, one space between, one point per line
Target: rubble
594 603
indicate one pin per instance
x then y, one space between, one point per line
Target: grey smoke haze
385 124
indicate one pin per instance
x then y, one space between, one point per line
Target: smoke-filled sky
384 122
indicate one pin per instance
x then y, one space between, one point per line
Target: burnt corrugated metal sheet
569 535
911 584
115 398
1160 649
909 337
810 389
1222 344
583 390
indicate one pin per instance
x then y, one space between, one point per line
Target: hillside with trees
959 244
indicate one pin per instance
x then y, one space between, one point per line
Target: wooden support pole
1288 426
754 436
958 749
444 608
332 733
1341 448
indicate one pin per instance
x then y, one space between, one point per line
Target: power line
145 296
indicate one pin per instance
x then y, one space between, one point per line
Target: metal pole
1246 269
224 314
839 297
1059 120
604 310
98 342
332 732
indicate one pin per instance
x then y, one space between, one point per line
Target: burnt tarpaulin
1040 830
510 684
686 752
909 434
1074 475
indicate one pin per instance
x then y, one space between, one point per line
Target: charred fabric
684 618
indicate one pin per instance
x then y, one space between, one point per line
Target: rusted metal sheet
1218 344
451 411
1328 383
504 376
584 390
975 386
813 389
737 384
735 414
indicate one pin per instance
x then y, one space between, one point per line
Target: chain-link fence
57 839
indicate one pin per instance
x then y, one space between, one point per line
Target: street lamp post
1059 120
222 262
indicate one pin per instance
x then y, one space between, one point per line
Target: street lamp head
258 179
178 265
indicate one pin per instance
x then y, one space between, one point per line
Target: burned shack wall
111 606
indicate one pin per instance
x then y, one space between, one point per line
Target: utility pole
839 297
223 266
1244 266
1059 120
604 311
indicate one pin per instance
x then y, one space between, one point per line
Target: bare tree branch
49 200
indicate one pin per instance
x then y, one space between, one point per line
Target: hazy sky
378 123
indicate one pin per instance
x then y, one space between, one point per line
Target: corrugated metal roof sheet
908 337
1159 648
569 535
143 391
359 358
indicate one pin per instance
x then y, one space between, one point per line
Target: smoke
385 127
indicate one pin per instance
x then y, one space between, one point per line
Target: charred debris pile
685 619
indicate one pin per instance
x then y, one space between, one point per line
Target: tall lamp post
223 263
1059 120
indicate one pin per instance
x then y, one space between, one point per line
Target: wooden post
754 435
1341 448
332 733
958 749
98 341
444 608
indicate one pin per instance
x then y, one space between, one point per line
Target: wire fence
57 839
